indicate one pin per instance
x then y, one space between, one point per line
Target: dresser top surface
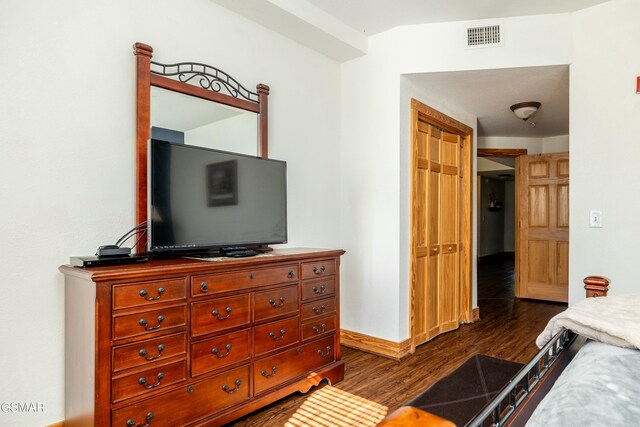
186 264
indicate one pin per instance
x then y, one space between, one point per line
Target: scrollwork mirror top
189 78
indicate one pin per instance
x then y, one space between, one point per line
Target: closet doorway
440 288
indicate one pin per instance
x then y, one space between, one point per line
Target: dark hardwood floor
374 385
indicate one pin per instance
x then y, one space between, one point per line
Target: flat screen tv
204 199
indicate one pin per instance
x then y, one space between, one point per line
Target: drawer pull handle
322 309
274 337
276 305
320 330
319 271
143 322
204 287
268 375
291 274
320 290
143 353
320 352
228 390
215 351
450 248
132 423
143 293
216 314
143 381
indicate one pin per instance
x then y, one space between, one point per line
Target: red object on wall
638 84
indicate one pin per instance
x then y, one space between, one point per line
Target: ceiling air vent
484 36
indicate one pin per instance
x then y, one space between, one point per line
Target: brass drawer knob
268 375
229 390
273 303
320 270
143 353
143 322
143 381
144 294
319 290
323 354
320 310
215 351
320 330
216 313
132 423
277 338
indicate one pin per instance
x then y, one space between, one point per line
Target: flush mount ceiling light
524 110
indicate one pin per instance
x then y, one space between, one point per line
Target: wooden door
436 231
542 245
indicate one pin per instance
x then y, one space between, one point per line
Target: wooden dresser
188 342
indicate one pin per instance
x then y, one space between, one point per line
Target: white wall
237 134
375 181
604 129
67 135
555 144
509 216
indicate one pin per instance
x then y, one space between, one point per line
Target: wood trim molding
58 424
501 152
475 314
379 346
440 119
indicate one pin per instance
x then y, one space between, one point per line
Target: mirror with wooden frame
192 103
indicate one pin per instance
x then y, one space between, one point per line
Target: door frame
513 153
420 111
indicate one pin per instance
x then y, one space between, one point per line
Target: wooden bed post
596 286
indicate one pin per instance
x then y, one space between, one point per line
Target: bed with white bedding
601 386
587 372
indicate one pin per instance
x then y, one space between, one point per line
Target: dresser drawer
147 381
215 353
148 352
147 293
321 307
318 288
275 302
321 268
146 322
275 370
219 314
275 335
189 403
318 327
223 282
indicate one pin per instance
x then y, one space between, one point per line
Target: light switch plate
595 219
